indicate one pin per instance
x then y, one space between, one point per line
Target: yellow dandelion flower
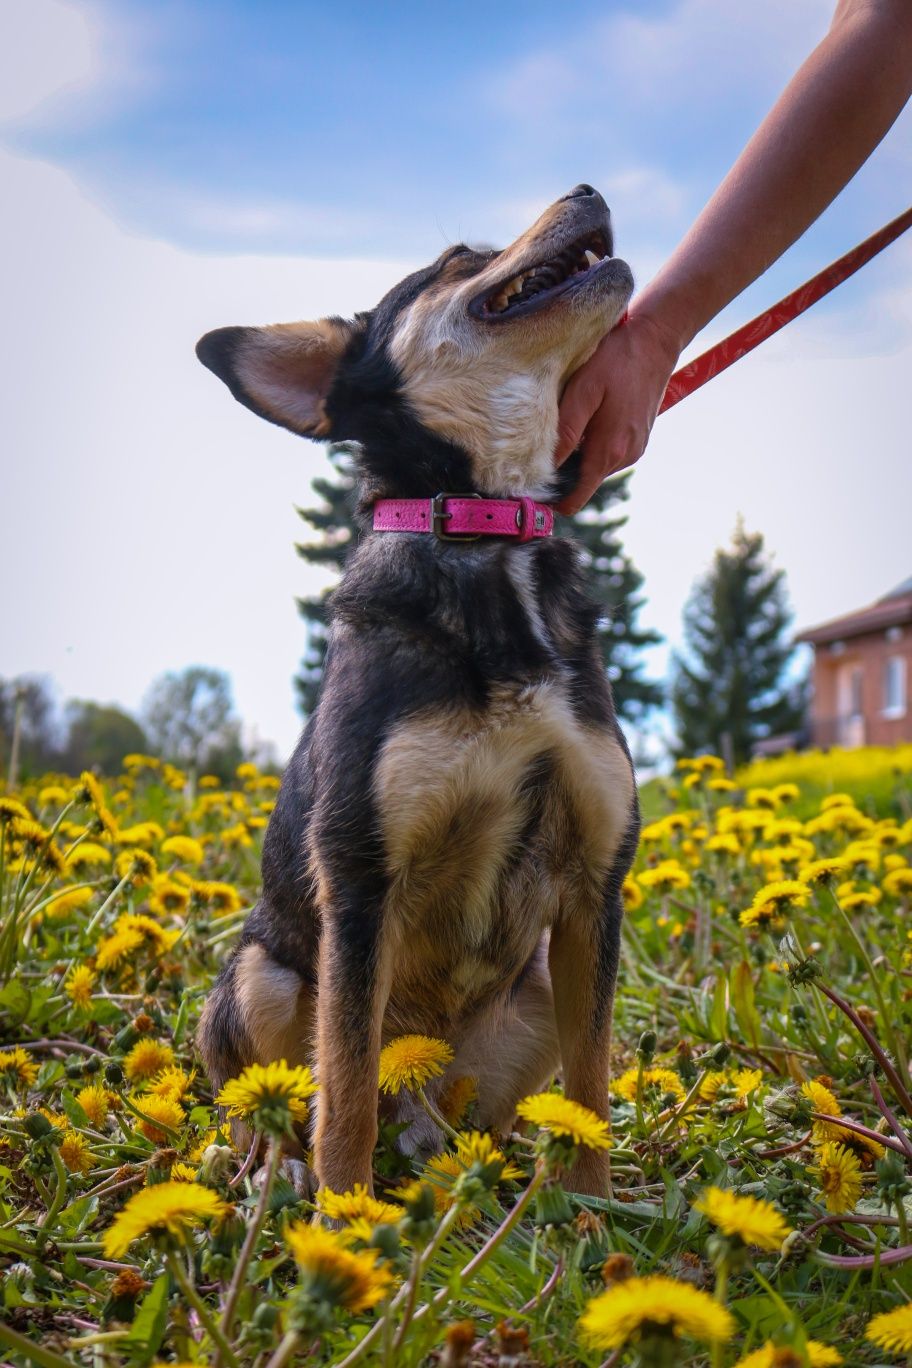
157 936
839 1175
221 897
168 896
822 1100
566 1119
96 1103
79 984
640 1308
183 1173
136 761
892 1330
209 781
11 810
862 897
68 901
441 1175
116 947
140 834
477 1147
183 848
665 876
222 1136
357 1205
410 1061
703 764
747 1081
837 800
161 1112
724 843
272 1095
898 883
172 1082
822 871
136 865
772 1355
712 1085
631 894
165 1210
52 793
457 1097
87 853
331 1272
748 1219
658 1083
787 793
18 1067
74 1151
721 785
147 1058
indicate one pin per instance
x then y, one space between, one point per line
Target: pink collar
465 517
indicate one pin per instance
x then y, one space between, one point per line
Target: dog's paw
590 1175
421 1139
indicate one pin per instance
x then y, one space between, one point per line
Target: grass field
761 1128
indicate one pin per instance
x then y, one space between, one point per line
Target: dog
450 839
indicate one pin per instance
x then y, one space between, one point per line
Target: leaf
718 1017
16 999
742 996
151 1319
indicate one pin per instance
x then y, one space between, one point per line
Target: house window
856 686
894 687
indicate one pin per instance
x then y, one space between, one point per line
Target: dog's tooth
592 259
514 286
499 302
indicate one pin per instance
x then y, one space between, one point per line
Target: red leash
730 349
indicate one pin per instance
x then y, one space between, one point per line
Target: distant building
862 673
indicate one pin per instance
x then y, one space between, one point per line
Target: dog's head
453 380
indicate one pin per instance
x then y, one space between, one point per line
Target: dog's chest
492 820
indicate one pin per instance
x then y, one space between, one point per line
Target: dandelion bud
37 1126
459 1340
216 1164
114 1074
647 1046
552 1206
617 1268
718 1056
20 1275
266 1316
892 1182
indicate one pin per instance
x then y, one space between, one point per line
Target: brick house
862 674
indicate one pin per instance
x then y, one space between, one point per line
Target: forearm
826 123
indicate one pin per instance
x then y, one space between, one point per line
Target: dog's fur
449 843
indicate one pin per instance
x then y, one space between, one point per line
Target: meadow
760 1135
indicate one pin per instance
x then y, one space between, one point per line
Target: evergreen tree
614 579
729 690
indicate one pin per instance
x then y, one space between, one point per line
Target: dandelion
333 1274
631 894
839 1174
140 834
183 1173
657 1084
18 1067
724 843
892 1330
822 1100
11 810
78 985
68 901
442 1174
357 1205
862 897
410 1061
271 1096
165 1211
147 1058
160 938
164 1114
96 1103
748 1219
567 1120
774 901
171 1082
221 897
168 897
136 865
183 848
772 1356
898 883
665 876
117 947
824 872
703 764
786 793
457 1097
88 853
639 1309
837 800
74 1151
477 1147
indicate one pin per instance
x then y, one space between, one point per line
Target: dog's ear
283 372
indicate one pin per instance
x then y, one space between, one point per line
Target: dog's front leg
353 987
583 958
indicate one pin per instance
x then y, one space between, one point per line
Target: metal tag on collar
439 516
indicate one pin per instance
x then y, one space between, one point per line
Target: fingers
580 400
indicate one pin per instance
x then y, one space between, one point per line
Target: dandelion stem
435 1116
895 1043
285 1350
253 1231
46 1223
873 1045
177 1271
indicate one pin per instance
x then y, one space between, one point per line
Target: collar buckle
438 517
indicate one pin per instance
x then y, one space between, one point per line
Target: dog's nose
581 192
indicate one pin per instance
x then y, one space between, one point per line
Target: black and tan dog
449 843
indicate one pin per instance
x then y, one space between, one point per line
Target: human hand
610 404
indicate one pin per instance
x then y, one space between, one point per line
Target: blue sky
174 166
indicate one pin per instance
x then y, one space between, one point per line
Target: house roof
893 610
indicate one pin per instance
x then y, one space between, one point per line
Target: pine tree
730 688
615 581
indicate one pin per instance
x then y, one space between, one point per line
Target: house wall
831 721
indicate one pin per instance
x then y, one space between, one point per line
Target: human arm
828 120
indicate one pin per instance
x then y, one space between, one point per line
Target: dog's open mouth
538 284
